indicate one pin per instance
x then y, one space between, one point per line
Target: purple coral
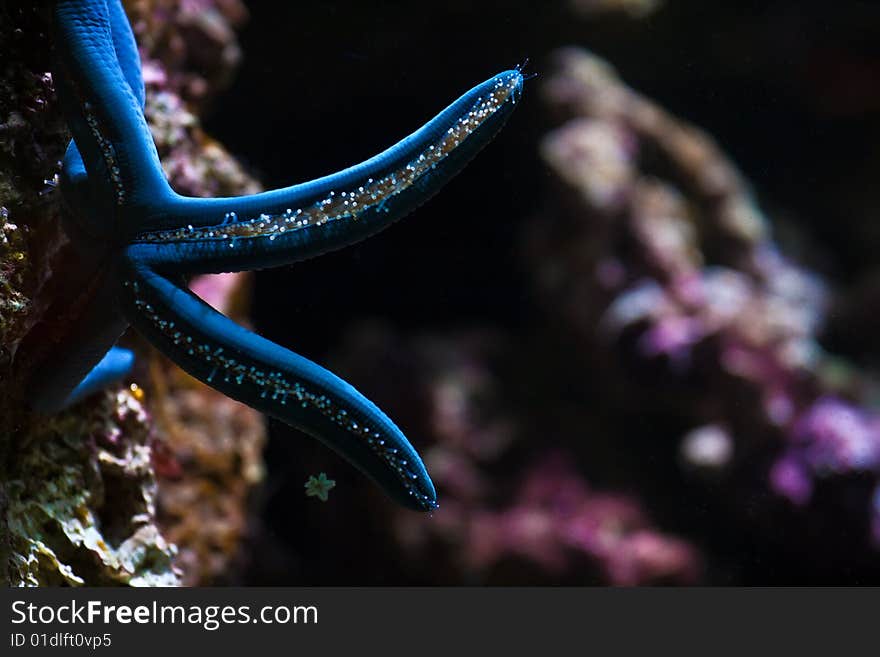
703 298
514 506
831 437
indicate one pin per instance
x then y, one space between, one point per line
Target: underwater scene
578 292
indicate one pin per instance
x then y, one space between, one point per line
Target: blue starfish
137 241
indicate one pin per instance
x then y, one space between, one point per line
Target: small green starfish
319 486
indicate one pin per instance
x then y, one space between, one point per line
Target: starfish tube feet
101 95
278 382
291 224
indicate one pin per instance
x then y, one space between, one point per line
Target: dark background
788 88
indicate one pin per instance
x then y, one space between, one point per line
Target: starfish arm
74 181
103 111
126 50
295 223
136 239
274 380
65 376
84 223
115 365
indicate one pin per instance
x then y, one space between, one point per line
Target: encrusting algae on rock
82 500
139 485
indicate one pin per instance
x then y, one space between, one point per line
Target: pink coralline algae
559 524
514 507
831 437
188 47
666 274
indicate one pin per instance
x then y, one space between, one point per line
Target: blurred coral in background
664 261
